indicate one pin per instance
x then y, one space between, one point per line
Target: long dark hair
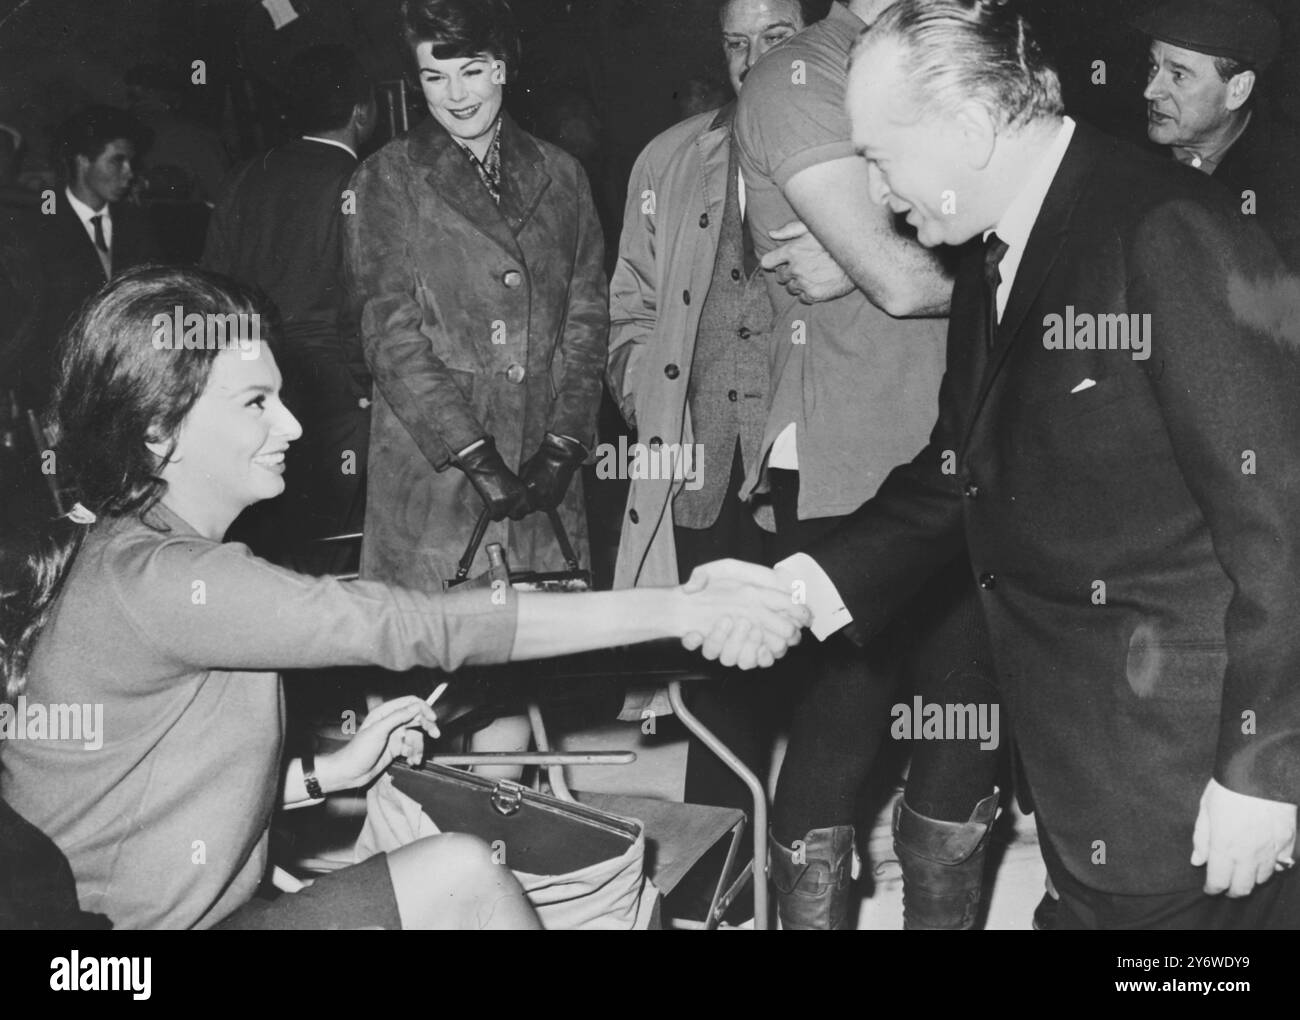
117 390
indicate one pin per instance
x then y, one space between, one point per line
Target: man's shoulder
1128 180
391 158
676 142
815 60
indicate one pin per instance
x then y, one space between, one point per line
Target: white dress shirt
331 141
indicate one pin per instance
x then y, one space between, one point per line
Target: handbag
581 868
572 578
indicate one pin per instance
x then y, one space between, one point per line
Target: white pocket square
1087 384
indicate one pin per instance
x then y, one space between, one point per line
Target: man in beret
1205 60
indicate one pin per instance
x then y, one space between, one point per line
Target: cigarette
437 693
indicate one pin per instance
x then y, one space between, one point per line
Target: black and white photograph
677 465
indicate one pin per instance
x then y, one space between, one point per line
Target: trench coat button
515 373
686 296
672 371
704 220
733 396
744 333
988 581
363 403
972 491
735 275
655 442
634 517
512 278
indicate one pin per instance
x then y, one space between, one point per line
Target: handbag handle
480 529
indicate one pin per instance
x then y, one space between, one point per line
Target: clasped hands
540 484
740 614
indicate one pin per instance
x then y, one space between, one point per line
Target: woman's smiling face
464 94
229 451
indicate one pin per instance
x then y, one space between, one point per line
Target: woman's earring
498 72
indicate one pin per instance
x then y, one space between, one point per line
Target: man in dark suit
86 233
1117 455
278 227
1202 102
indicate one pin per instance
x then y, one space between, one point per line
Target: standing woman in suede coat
475 257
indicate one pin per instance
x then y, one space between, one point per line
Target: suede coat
477 320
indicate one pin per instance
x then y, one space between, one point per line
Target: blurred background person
93 234
278 227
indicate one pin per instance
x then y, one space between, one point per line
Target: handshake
740 614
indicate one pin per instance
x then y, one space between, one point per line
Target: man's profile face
1187 102
109 175
915 164
752 27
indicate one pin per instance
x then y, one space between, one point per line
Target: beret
1242 30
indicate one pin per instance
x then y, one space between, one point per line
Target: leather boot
813 880
943 866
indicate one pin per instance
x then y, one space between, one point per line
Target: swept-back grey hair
957 50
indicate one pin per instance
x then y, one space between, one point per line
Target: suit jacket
1132 523
73 273
476 319
278 226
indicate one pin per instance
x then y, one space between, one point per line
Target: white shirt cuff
817 592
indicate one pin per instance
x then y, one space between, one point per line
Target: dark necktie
97 221
100 243
994 250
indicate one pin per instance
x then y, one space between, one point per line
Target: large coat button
515 373
672 371
634 517
513 278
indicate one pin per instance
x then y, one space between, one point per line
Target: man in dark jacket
1202 102
278 227
87 233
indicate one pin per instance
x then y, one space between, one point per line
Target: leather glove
548 472
502 492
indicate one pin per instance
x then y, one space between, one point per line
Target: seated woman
136 607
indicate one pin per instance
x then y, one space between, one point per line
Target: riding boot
813 880
943 866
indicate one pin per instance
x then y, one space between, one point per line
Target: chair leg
756 789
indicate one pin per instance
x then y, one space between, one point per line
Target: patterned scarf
489 168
